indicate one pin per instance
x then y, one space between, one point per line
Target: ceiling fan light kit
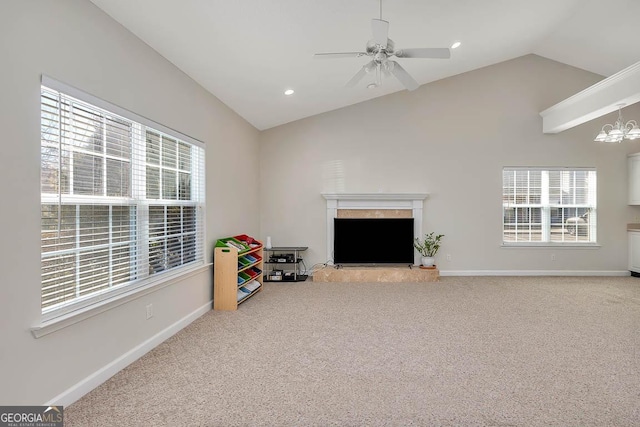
380 49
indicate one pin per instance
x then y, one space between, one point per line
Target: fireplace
374 205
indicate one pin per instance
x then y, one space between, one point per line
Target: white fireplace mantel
336 201
376 196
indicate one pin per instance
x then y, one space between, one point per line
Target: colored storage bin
243 277
249 241
233 243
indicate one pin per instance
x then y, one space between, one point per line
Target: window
549 205
122 201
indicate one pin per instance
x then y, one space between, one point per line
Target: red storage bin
248 240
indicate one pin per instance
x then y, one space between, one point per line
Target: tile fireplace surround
375 205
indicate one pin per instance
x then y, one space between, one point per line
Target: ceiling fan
380 49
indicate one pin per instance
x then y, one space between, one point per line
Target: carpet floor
465 351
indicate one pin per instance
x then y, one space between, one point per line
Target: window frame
546 207
93 303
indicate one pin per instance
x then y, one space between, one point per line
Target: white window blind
549 205
122 203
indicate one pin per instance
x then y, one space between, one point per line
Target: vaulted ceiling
247 52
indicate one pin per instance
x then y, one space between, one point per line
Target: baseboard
534 273
103 374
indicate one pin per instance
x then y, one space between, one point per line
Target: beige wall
75 42
450 138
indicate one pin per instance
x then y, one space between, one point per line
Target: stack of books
236 245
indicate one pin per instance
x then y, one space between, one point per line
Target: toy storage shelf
237 271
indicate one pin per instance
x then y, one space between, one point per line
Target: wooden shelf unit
233 268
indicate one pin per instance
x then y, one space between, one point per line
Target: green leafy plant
428 247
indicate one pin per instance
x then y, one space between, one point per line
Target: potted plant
428 247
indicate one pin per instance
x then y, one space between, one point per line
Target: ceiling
247 52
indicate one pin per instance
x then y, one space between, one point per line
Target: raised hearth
376 274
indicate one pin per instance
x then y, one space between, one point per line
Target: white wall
450 138
75 42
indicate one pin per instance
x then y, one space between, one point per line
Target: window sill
49 326
546 245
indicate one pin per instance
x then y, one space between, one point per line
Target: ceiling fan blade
339 55
380 31
425 52
404 77
360 74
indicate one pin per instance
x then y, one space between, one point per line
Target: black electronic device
373 241
282 258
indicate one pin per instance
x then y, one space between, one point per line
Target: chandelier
620 130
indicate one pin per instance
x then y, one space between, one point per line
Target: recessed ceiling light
372 86
455 45
289 92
